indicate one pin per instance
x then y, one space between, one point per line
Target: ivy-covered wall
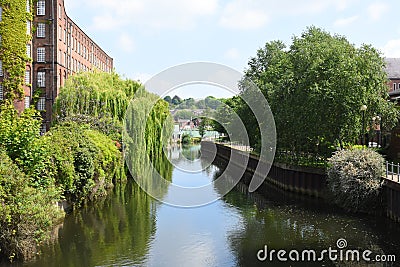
14 38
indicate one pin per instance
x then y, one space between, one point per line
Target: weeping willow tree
95 94
148 127
103 100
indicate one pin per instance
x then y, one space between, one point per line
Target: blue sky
147 36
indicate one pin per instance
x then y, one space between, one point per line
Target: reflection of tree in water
191 152
148 127
282 223
121 224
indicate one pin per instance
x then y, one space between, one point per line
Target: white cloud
376 10
243 15
126 42
345 21
152 14
392 48
232 53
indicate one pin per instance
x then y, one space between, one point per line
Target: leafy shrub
19 135
85 161
186 139
354 178
27 214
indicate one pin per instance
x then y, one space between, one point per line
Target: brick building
393 72
59 48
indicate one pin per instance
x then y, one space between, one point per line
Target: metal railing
393 171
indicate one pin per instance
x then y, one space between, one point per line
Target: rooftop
392 67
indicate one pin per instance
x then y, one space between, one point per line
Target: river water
129 228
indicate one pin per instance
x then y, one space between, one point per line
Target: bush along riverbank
77 161
71 163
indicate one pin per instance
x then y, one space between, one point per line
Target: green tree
176 100
203 126
168 99
316 88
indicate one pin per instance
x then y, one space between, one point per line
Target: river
129 228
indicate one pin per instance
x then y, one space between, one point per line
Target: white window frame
1 92
29 50
27 77
41 30
1 68
41 8
1 13
27 102
28 6
59 11
41 104
41 54
28 27
41 79
394 87
60 33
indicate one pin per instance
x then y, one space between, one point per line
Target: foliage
354 178
14 38
186 139
183 114
203 126
96 94
190 103
148 129
333 78
85 161
27 214
19 135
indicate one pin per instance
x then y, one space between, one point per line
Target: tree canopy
315 88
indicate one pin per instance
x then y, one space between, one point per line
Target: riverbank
130 228
306 181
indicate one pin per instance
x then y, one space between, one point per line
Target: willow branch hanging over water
96 94
102 100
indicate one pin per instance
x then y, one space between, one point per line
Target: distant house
393 72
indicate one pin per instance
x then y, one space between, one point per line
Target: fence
393 171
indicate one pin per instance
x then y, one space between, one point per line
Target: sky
145 37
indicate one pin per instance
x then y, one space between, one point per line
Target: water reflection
117 229
129 228
292 223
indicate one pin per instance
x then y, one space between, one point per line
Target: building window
65 59
27 101
1 13
60 33
27 77
41 30
41 79
41 8
1 92
394 86
41 54
28 27
65 36
1 68
28 50
41 104
59 12
28 6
